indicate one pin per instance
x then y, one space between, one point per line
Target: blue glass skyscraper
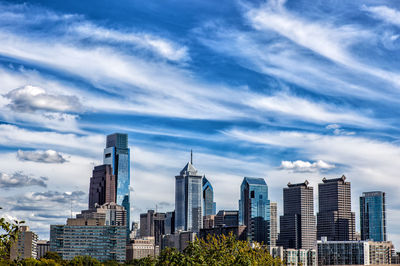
117 154
254 209
188 199
209 206
373 216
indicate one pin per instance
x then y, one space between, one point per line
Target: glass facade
373 216
254 209
100 242
117 154
188 200
209 205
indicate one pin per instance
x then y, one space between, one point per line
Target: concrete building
102 187
169 223
140 248
89 237
274 223
188 199
152 224
290 256
209 206
227 218
179 240
43 246
335 220
373 216
208 221
297 225
354 252
112 213
254 210
25 246
238 231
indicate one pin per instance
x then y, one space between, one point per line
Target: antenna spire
191 156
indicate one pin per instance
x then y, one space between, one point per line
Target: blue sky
275 89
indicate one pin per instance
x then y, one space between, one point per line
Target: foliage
9 234
51 255
84 261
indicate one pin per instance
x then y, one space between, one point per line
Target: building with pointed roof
188 199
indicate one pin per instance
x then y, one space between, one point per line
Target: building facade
254 209
297 224
169 223
209 206
354 252
227 218
102 187
335 220
112 213
274 223
188 199
140 248
117 154
373 216
152 225
89 237
179 240
43 246
25 246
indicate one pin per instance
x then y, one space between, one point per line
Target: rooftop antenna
70 199
191 156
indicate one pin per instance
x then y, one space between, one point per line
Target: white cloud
384 13
18 179
49 156
304 166
162 47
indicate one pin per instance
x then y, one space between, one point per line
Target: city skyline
311 94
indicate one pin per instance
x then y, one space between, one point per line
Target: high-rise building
373 216
169 223
188 199
89 237
43 246
227 218
209 206
298 221
335 219
254 211
25 246
102 186
117 154
274 223
152 224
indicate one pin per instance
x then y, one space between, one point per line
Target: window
252 194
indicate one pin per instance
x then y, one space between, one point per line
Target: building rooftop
334 180
304 184
255 181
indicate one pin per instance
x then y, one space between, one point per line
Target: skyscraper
209 205
373 216
188 199
152 224
335 219
254 209
117 154
274 223
298 221
102 186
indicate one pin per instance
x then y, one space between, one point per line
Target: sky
277 89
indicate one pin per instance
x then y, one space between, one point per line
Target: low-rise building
208 221
43 246
354 252
25 246
89 237
140 248
291 256
179 240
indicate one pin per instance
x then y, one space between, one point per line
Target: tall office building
188 199
298 221
169 223
227 218
254 209
373 216
152 224
209 206
102 187
117 154
335 219
274 223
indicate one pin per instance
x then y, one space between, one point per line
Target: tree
51 255
84 261
8 237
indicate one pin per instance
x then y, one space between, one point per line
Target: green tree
51 255
9 234
84 261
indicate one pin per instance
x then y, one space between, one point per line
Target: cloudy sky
277 89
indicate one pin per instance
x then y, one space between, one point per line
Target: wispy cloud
384 13
49 156
18 179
